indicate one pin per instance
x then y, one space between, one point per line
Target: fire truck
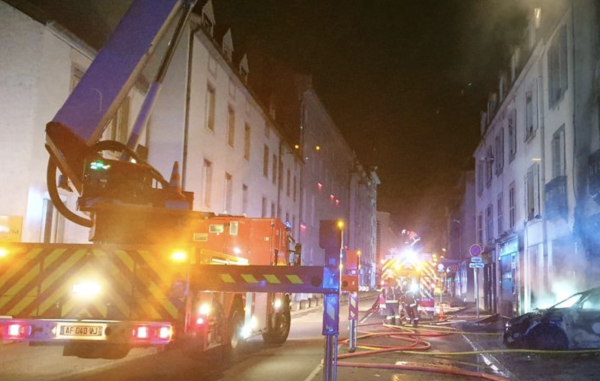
155 270
417 270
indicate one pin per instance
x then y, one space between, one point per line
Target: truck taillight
15 331
144 332
199 321
165 333
141 332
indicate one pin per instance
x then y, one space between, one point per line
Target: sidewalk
316 303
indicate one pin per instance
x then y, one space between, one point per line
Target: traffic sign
476 265
476 260
475 250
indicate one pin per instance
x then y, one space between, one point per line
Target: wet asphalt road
299 360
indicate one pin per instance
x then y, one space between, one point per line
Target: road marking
316 371
491 361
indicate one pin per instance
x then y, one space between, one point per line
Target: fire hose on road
413 342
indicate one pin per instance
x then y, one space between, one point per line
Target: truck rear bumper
65 331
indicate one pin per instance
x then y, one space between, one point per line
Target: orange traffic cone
175 181
441 315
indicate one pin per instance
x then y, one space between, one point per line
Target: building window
511 205
230 126
480 228
273 210
512 135
529 115
228 193
274 179
489 223
281 176
247 141
558 153
288 183
500 214
210 107
244 199
263 210
533 191
558 67
206 182
480 176
287 217
266 162
295 189
267 130
53 223
489 162
499 159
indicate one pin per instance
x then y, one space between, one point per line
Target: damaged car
573 323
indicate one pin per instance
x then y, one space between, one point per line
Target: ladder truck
155 270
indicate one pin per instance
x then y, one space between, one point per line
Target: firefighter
392 295
410 303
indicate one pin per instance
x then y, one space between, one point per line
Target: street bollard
352 321
331 311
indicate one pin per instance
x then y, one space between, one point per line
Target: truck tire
236 339
280 330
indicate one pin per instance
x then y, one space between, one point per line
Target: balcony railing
556 198
594 175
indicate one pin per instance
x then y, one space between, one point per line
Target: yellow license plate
87 331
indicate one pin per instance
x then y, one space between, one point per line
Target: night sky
404 80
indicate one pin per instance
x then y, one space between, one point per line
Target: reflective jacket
392 294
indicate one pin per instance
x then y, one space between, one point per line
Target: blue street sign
476 260
475 250
476 265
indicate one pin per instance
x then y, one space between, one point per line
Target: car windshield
569 302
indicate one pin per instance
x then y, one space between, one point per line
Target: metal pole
476 292
330 366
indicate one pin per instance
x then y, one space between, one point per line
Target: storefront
508 304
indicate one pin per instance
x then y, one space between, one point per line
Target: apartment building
526 165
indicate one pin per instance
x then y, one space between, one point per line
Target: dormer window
244 69
227 46
208 18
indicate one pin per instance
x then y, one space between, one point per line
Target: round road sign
475 250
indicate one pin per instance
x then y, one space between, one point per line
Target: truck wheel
278 334
236 338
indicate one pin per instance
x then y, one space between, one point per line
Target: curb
300 308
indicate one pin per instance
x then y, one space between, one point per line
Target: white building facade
524 172
232 151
